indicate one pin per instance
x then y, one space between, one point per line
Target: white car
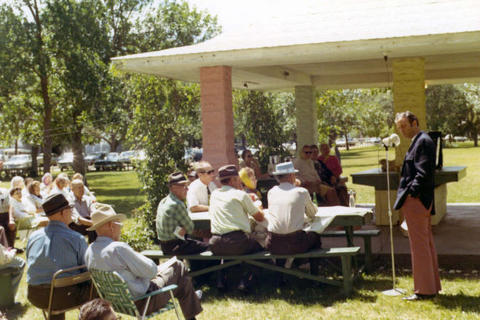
19 161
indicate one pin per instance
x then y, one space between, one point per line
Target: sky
235 14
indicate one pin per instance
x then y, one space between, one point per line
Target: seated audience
62 185
229 210
330 171
97 309
33 200
46 185
53 248
25 219
172 214
87 192
6 220
141 274
310 179
192 175
82 208
289 207
18 182
332 162
200 189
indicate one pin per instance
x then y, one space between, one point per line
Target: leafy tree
261 119
471 124
163 113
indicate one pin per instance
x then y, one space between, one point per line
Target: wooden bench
367 242
256 259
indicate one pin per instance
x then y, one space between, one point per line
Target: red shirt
333 164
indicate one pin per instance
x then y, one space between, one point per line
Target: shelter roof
334 44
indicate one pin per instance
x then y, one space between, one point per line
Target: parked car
109 162
90 158
19 161
126 158
53 160
66 161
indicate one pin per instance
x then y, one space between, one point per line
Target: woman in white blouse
18 212
33 200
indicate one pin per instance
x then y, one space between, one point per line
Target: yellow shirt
229 210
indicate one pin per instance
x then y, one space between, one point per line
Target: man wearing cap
230 208
310 179
53 248
200 189
140 273
288 207
173 223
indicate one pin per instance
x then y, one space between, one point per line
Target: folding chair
66 282
112 288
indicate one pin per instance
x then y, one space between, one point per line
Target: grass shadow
458 301
15 311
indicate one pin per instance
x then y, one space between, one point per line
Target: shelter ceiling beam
282 73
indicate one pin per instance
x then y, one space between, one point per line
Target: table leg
349 235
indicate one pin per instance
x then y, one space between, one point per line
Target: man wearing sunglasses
310 179
199 190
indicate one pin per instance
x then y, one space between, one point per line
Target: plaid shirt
172 213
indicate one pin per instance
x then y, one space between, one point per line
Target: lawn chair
111 287
66 282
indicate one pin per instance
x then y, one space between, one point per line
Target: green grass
464 154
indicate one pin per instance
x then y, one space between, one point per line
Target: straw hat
104 213
227 171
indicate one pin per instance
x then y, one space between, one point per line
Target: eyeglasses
207 172
250 156
307 152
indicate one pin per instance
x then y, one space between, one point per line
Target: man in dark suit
415 200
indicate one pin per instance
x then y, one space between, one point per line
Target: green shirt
229 210
172 213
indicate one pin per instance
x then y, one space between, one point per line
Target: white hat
104 213
284 168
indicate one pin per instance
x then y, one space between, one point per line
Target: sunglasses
307 152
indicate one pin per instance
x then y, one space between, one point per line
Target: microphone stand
394 291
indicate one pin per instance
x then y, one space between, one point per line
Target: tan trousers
175 274
426 278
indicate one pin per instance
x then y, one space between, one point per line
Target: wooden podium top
378 179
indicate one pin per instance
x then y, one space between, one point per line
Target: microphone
392 141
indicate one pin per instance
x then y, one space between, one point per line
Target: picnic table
336 216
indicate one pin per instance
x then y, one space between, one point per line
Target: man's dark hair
407 114
226 181
97 309
313 146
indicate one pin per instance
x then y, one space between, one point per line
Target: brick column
306 114
217 115
409 94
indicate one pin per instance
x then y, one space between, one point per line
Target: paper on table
319 224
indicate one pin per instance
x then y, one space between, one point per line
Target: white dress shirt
287 207
198 193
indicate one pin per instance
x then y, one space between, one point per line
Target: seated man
288 206
141 274
171 214
53 248
200 189
82 208
310 179
230 207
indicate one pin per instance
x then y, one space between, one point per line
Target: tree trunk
346 141
113 144
475 138
34 169
77 148
47 122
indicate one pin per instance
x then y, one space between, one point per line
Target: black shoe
243 287
415 297
19 251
